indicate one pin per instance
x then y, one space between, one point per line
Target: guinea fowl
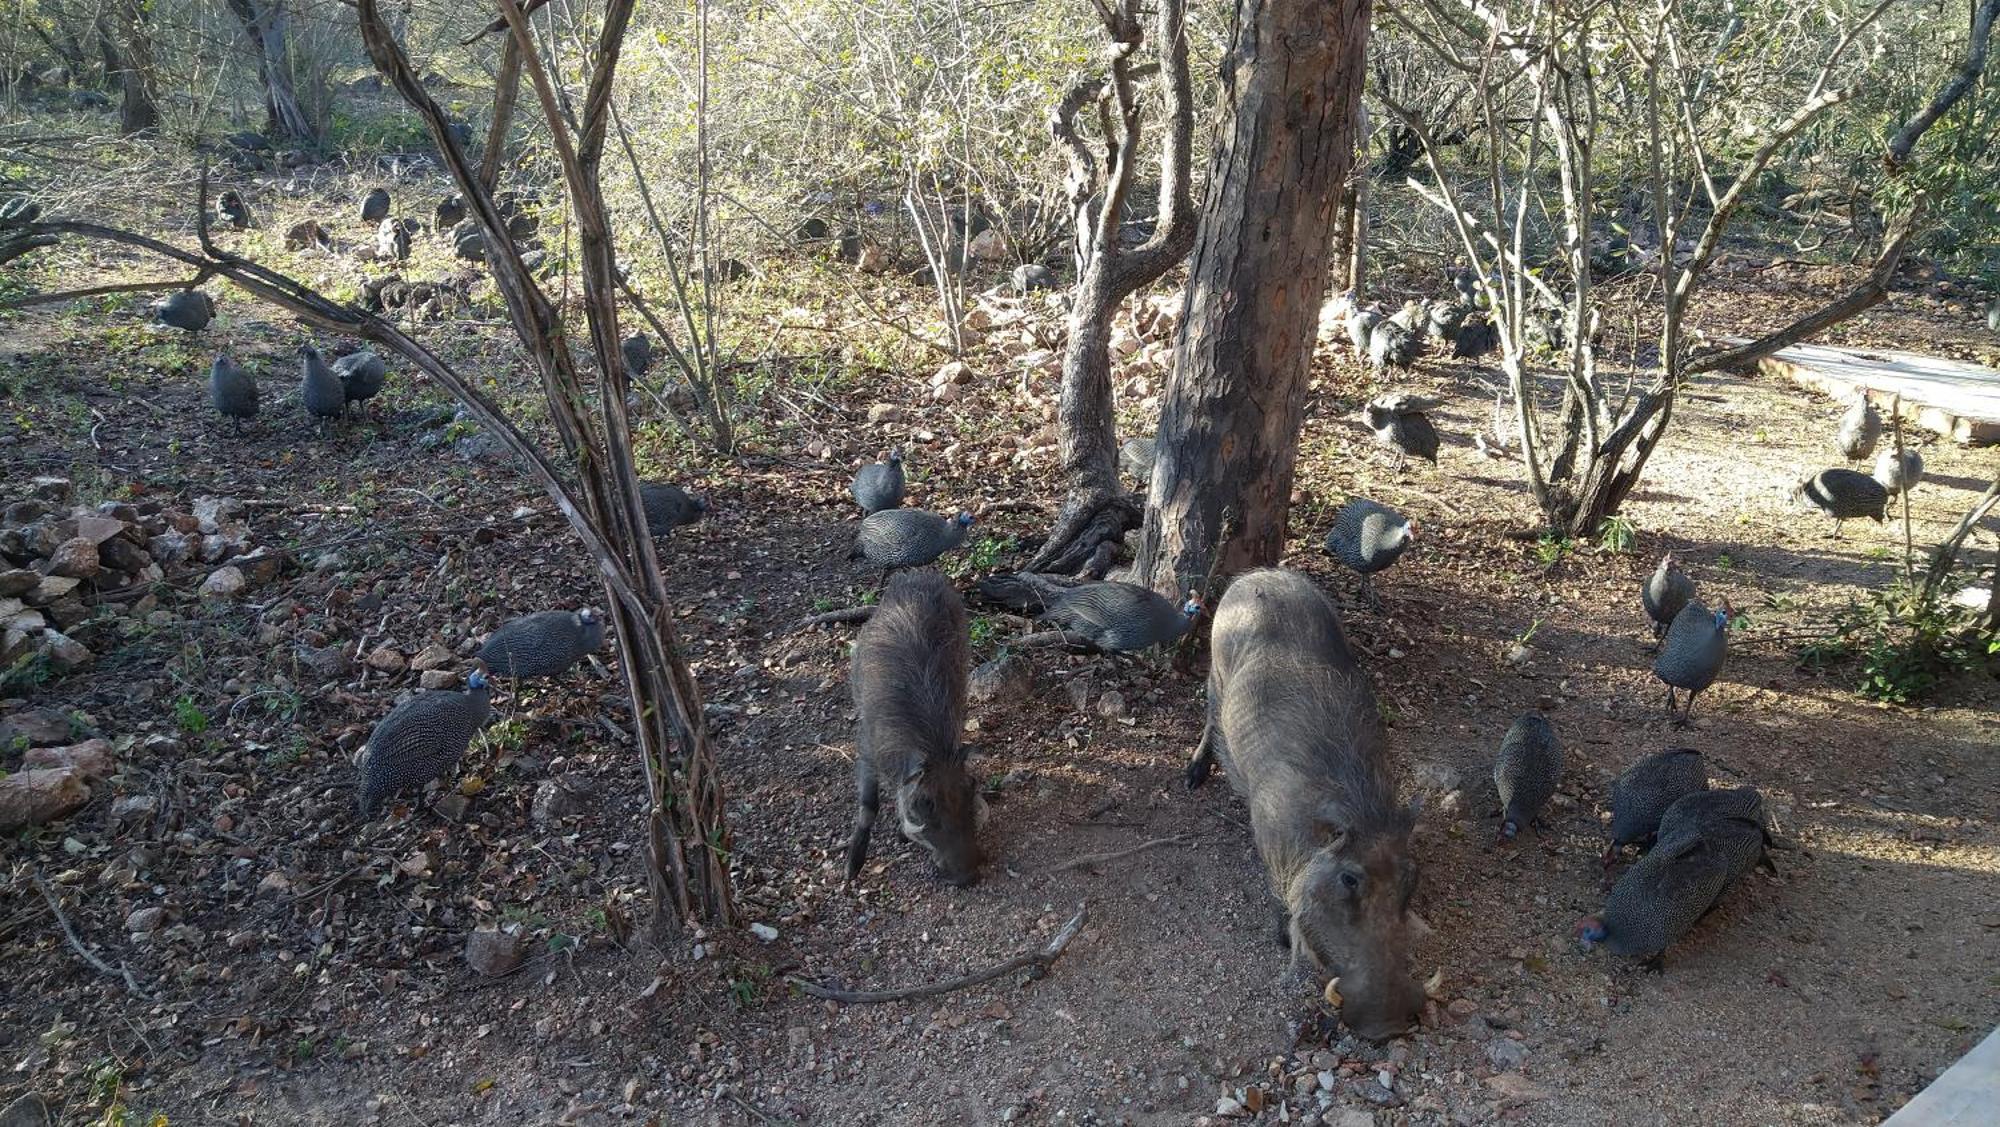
1644 792
1665 593
1692 653
1477 335
1392 344
894 538
637 350
1107 615
1136 457
230 206
361 375
1526 772
421 739
375 206
321 391
450 212
1897 477
1733 819
879 485
1400 424
1443 320
1361 330
392 240
1658 899
669 507
1368 537
543 644
1993 316
232 390
187 310
1843 495
1859 430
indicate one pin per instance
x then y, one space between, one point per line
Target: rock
386 659
431 657
260 565
495 953
1507 1055
988 245
53 587
30 798
1006 678
945 394
123 555
1514 1086
171 546
54 490
224 583
1462 1008
17 581
1228 1105
884 413
36 727
64 650
328 663
873 260
1519 655
1111 705
133 807
75 558
97 529
147 919
91 758
559 798
65 612
765 932
27 1111
211 513
1348 1117
438 678
953 373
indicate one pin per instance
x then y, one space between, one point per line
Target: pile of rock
58 560
48 776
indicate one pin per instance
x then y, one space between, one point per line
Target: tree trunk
1230 429
506 91
265 25
139 109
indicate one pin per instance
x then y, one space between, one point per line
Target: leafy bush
1907 647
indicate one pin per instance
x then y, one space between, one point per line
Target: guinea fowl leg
1368 594
1688 716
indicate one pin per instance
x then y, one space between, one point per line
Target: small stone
51 588
1348 1117
1516 1087
275 881
54 490
98 529
431 657
171 546
1519 655
144 920
64 650
954 372
123 555
1462 1008
224 583
1506 1055
1005 678
66 612
17 581
437 678
133 807
1111 705
211 512
38 727
328 663
92 758
386 659
495 953
27 1111
884 413
765 932
1228 1105
261 565
945 394
30 798
556 799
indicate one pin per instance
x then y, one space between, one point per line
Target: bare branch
1906 138
1036 963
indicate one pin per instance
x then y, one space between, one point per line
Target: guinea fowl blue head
1589 931
477 678
1192 608
964 519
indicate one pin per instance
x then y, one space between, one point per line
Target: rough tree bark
1230 429
1097 511
506 92
139 107
264 23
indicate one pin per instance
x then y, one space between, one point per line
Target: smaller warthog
1294 725
908 679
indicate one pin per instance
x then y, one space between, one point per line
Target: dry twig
1090 859
1036 963
120 971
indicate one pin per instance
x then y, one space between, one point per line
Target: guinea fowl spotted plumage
894 538
1843 495
1665 593
1896 476
1660 898
450 212
187 310
669 507
1692 653
543 644
1361 330
232 390
375 206
1368 537
1641 795
1400 424
1136 457
1860 429
879 485
1477 335
637 351
1526 772
1106 614
230 206
1443 319
320 391
1393 344
361 375
1734 819
421 739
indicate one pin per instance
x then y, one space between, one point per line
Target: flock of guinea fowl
1698 842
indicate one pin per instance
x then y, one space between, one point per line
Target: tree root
1090 860
1036 963
1087 536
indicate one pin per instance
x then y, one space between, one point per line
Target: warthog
908 679
1294 725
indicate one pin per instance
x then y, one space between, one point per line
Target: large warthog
1294 725
909 689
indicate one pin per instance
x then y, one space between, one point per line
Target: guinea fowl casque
1692 654
232 390
421 739
544 644
1107 615
1526 772
1665 593
1843 495
1399 423
669 507
1642 794
321 392
1368 537
879 485
1860 429
894 538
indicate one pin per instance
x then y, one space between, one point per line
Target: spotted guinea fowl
1477 335
421 739
1733 819
1443 319
450 212
1658 899
1393 344
392 240
896 538
879 485
1361 330
1136 457
637 351
1843 495
1665 593
362 375
232 390
1368 537
1399 423
1643 793
230 207
669 507
187 310
1526 772
1860 429
1898 476
375 206
1106 614
543 644
320 391
1692 653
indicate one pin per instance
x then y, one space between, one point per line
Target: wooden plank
1967 1095
1961 401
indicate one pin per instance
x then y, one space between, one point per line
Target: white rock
224 583
765 932
146 919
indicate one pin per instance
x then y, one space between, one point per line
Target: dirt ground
311 970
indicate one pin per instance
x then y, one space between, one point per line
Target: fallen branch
1036 963
120 971
847 614
1090 859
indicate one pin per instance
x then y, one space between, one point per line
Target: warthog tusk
1332 992
1434 985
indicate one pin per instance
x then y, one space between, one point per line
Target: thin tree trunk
265 26
1230 429
506 91
139 109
